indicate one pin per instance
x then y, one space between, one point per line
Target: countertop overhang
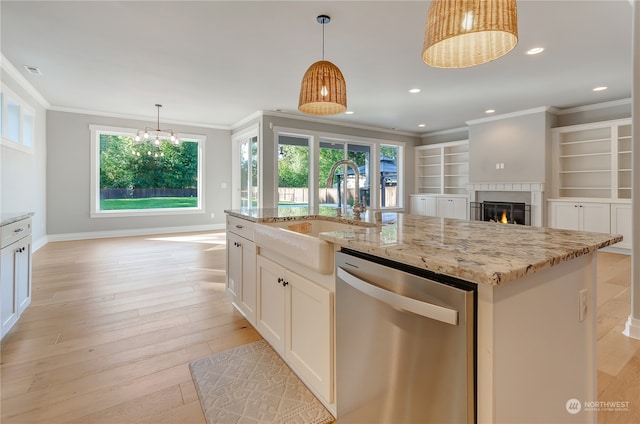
476 251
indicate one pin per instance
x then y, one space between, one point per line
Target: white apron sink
298 241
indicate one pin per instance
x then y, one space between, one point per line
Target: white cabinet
582 216
15 272
439 206
295 315
452 207
241 266
442 168
423 205
593 160
621 219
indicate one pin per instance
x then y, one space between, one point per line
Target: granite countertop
9 218
481 252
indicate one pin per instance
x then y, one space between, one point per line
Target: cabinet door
444 207
8 303
247 292
459 208
271 303
565 215
234 264
596 217
621 218
23 274
310 342
418 205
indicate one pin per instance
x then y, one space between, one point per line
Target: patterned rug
251 384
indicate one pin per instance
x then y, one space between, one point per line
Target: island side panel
534 353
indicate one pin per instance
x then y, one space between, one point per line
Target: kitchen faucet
357 207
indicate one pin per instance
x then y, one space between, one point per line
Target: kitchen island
536 318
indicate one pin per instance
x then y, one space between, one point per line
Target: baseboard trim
632 328
128 233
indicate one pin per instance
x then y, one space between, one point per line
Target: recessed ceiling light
349 112
422 125
414 90
33 69
600 88
489 111
535 50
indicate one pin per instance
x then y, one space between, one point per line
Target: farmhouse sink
298 240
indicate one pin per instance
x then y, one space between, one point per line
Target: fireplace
504 212
529 193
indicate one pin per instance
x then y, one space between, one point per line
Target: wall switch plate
582 304
497 166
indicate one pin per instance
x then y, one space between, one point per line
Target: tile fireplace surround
529 193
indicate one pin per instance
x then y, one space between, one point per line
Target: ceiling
217 62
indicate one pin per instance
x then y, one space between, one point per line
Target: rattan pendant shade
463 33
323 90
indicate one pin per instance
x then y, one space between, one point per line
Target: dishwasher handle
428 310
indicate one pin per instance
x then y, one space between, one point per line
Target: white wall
23 175
68 180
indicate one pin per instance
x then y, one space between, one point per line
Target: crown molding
594 106
137 117
445 132
510 115
338 124
22 81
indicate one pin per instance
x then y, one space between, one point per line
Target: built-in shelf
442 168
593 160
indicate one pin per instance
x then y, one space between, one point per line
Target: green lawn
148 203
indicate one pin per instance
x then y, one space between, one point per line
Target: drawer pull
238 226
18 230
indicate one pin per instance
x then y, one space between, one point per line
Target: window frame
96 212
24 110
314 145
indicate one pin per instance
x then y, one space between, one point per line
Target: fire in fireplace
504 212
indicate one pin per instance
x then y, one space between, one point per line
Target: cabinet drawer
241 227
15 231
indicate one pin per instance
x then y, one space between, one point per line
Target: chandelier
156 135
323 90
463 33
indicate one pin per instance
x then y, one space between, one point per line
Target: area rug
252 384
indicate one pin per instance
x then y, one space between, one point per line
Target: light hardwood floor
115 322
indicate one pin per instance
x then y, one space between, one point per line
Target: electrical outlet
582 304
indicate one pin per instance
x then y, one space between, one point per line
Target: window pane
13 120
244 175
361 155
293 171
388 183
136 176
27 128
330 153
253 193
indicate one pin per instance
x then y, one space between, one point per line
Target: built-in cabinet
295 315
581 216
442 168
15 272
592 178
241 267
439 205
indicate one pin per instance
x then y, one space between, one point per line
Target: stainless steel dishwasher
405 343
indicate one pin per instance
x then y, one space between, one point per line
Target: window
245 166
17 122
130 178
293 170
304 162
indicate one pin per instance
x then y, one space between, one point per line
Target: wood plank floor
115 322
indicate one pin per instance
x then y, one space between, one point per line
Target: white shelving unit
442 168
593 160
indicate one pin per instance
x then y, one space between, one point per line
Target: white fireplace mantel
535 189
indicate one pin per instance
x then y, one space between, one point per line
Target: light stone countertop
480 252
9 218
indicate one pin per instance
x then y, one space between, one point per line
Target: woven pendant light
323 90
463 33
